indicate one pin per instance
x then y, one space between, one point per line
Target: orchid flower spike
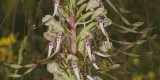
56 4
88 48
75 69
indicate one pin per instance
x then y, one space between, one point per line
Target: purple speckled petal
88 48
75 69
50 48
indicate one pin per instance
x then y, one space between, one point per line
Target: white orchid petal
75 69
103 31
89 77
88 48
50 48
95 66
55 8
58 43
102 55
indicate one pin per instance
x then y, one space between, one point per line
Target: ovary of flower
75 69
88 48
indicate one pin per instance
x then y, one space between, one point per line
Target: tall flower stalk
77 26
78 40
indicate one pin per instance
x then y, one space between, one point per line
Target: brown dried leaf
131 54
137 24
126 29
29 70
14 66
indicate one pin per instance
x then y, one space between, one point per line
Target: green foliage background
18 17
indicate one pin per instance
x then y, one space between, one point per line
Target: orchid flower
58 43
50 37
88 48
101 24
75 69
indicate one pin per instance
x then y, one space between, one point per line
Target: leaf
144 33
80 10
140 41
138 24
124 10
15 75
63 13
123 42
114 8
80 2
14 66
90 26
127 29
85 16
29 70
124 31
130 54
102 55
98 12
153 37
127 47
29 65
74 3
114 66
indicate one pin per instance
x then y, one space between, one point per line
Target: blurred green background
18 18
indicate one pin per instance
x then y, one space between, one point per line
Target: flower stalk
73 32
